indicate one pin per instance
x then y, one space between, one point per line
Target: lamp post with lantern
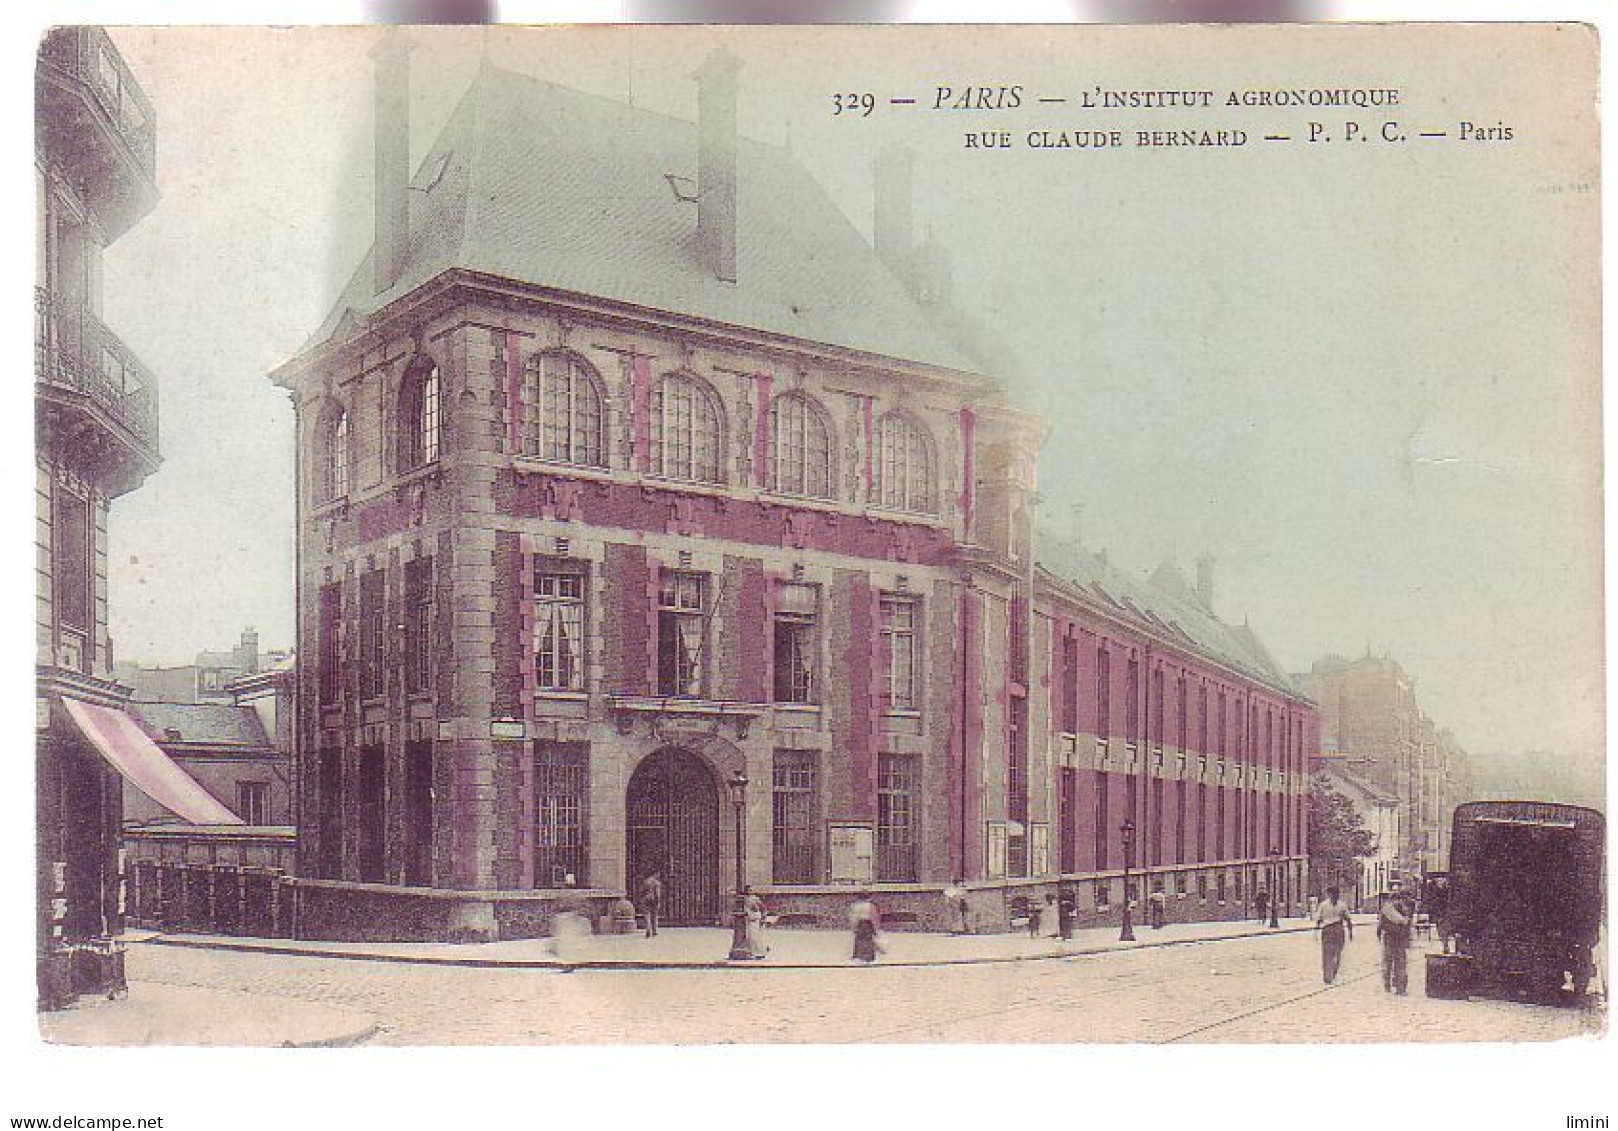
1127 832
1275 883
739 948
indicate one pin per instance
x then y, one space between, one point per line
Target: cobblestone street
1265 989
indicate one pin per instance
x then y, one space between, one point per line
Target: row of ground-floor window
675 811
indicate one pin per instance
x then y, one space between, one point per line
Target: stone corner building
96 439
625 465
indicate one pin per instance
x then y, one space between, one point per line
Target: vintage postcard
905 535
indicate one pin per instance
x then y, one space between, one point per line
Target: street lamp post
1127 832
1275 883
739 949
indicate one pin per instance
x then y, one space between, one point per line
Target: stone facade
1372 723
884 665
95 440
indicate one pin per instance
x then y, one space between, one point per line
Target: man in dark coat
1393 928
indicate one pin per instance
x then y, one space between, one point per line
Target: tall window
418 416
558 629
803 464
373 635
796 609
1202 822
899 633
331 618
1132 702
418 812
371 813
71 561
1202 720
796 804
330 795
1157 707
1179 821
561 814
565 422
253 802
1103 815
687 433
1183 709
418 624
1103 692
681 628
332 475
898 798
904 463
1069 690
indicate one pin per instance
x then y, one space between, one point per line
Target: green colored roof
553 187
1165 606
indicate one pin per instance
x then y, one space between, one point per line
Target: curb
341 1041
565 967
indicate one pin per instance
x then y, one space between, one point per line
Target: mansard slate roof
202 724
554 187
1170 611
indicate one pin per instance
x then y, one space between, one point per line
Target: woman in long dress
756 945
864 919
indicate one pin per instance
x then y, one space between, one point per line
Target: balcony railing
87 55
73 350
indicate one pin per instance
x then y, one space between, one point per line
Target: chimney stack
247 653
892 226
392 144
716 162
1205 581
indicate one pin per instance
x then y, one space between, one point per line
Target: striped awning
144 765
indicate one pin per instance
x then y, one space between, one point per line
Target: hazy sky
1363 376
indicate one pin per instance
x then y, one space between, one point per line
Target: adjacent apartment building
1372 727
95 409
651 520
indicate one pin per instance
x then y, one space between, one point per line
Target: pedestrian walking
1262 902
754 907
651 902
1336 928
866 922
1065 908
1393 928
1035 914
1157 907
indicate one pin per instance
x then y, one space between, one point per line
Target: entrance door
673 823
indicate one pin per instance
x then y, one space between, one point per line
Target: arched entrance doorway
673 821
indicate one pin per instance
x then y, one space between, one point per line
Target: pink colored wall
966 736
643 508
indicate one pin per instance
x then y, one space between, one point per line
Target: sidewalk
159 1014
707 947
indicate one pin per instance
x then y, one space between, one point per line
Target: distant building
1372 726
96 437
621 490
206 679
226 750
1379 811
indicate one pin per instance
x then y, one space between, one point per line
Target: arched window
418 416
687 433
905 465
802 447
562 418
331 454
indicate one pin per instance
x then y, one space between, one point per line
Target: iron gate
673 822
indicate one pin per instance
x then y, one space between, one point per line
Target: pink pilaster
524 585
